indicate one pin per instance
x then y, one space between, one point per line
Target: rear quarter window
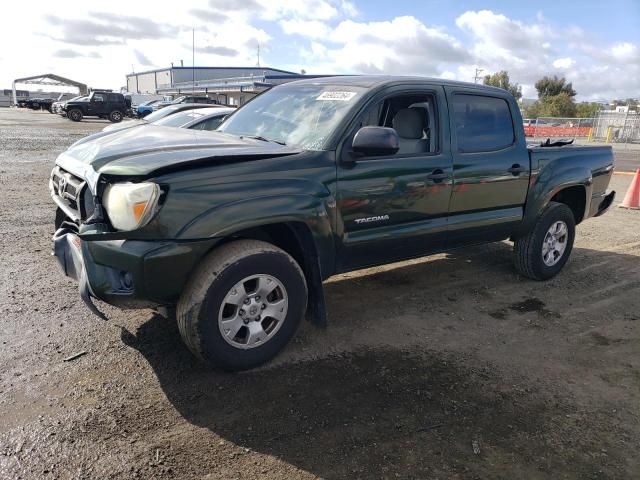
482 124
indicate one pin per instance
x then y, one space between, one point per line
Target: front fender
318 213
547 183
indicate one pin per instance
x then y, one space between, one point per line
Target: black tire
116 116
528 249
202 300
75 114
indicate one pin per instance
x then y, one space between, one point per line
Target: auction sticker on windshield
337 96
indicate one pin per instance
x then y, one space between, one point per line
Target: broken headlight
130 205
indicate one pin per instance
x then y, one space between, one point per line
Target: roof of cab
373 81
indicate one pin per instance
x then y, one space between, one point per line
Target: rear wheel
543 252
243 305
74 114
116 116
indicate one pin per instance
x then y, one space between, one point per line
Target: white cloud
497 38
566 62
626 52
402 45
306 28
98 44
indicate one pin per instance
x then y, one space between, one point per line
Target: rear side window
482 124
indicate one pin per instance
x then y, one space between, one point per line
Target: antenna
193 60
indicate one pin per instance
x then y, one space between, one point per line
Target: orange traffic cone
632 198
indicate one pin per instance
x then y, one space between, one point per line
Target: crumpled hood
143 150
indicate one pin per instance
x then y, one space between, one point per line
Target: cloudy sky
595 44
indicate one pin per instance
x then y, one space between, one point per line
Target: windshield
300 115
179 99
182 118
158 114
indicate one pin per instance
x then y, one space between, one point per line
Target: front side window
302 115
98 98
482 124
412 116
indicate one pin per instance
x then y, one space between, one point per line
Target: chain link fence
606 127
617 127
551 127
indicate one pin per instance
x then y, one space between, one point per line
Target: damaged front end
111 265
76 203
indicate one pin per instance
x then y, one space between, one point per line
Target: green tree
561 105
501 80
550 87
531 111
587 109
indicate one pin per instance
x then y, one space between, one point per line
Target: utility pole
476 77
258 52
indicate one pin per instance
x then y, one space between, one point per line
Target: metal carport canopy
48 79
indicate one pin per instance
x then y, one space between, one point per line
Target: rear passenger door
490 166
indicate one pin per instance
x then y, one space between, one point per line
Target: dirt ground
448 367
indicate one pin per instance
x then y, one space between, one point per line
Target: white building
228 85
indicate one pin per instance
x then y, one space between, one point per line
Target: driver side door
95 106
394 207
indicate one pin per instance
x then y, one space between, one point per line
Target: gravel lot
446 367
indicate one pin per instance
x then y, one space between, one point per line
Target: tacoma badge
377 218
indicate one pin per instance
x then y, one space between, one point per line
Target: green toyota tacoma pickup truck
239 227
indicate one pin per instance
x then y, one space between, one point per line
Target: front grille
72 193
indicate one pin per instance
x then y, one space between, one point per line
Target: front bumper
127 273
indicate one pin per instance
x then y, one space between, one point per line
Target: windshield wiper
258 137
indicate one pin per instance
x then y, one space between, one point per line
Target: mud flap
317 313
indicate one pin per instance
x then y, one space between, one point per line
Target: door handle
516 169
437 175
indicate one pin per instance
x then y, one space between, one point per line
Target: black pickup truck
239 227
39 103
113 106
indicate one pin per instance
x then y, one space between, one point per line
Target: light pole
476 77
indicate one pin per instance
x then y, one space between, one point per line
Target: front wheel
242 305
543 252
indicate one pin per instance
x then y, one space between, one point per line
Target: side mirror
376 141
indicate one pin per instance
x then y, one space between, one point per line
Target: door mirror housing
375 141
